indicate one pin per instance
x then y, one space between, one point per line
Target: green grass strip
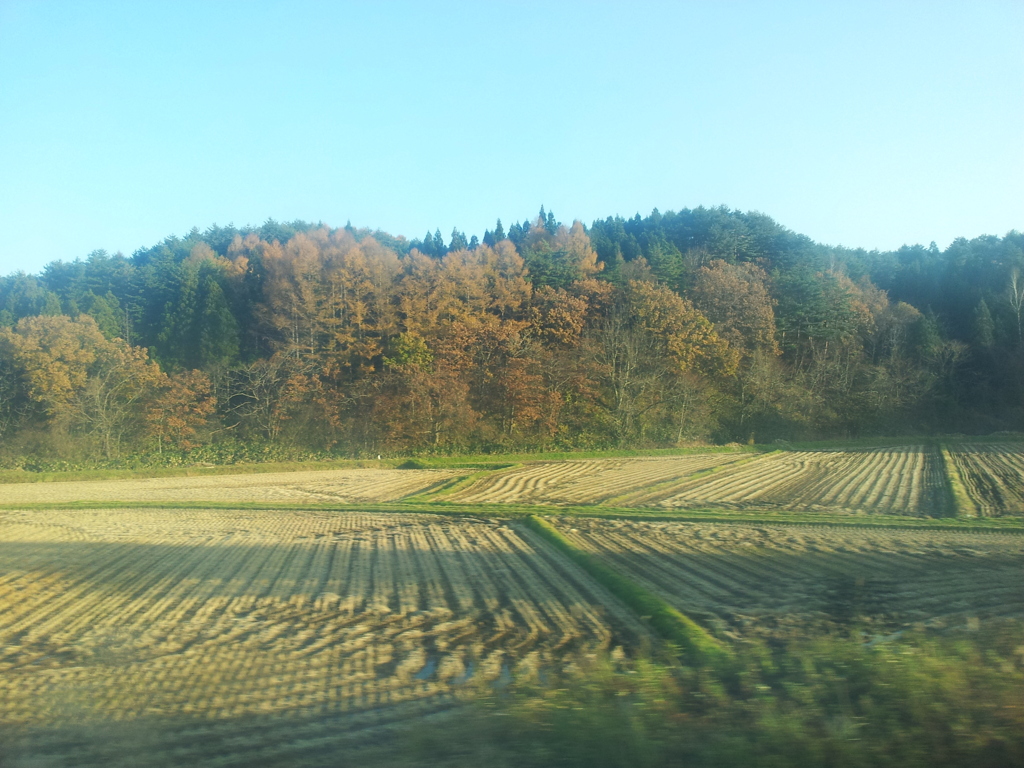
962 504
696 646
483 461
496 460
1014 525
15 476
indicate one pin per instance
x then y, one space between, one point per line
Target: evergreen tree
458 242
984 327
517 233
438 247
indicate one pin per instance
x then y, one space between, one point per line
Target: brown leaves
689 336
735 298
183 406
55 355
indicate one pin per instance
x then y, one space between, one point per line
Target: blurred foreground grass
955 700
914 701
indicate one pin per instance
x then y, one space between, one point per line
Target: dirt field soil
219 620
993 476
326 486
779 580
905 480
590 481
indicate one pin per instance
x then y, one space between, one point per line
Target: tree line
703 324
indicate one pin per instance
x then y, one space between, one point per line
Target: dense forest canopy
692 325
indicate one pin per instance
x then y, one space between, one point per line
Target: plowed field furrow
518 585
899 481
820 475
658 569
817 480
569 608
982 594
737 484
651 561
740 574
589 590
673 579
80 595
431 578
765 579
863 485
449 571
614 484
474 571
313 582
584 482
50 588
122 609
570 594
993 475
233 615
327 486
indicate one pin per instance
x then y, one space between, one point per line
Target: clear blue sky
863 124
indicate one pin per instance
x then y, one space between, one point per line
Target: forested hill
691 325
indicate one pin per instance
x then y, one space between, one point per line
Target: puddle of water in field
428 669
504 678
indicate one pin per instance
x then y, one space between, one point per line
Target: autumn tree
648 340
421 401
112 404
83 381
331 299
53 356
180 409
736 299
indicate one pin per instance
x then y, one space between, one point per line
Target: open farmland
289 628
590 481
905 480
788 580
993 476
326 486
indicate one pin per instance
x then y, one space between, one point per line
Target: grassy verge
480 461
8 476
696 646
962 504
518 511
483 462
499 460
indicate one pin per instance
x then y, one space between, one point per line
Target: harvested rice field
233 635
765 580
326 486
993 476
905 480
592 481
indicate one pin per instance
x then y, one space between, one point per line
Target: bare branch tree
1017 303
